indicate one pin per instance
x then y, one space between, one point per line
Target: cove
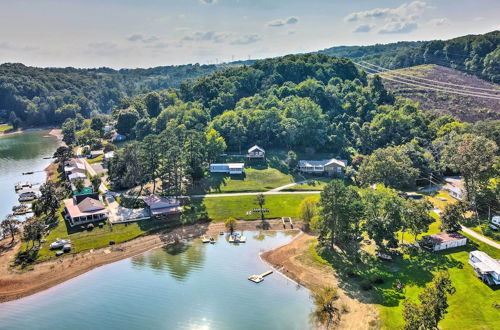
185 286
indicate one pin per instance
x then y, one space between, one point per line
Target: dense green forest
300 103
475 54
39 96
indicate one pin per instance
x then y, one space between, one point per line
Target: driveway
480 237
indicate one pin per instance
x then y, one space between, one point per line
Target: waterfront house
159 205
83 209
75 176
443 241
256 152
487 268
230 168
327 166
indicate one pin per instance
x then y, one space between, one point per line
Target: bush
366 285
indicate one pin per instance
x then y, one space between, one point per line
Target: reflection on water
178 259
22 153
186 286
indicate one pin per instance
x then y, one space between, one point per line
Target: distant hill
34 94
466 108
475 54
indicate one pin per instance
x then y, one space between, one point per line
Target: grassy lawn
96 160
221 208
253 180
317 183
5 128
83 239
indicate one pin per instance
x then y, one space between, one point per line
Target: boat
259 278
28 173
59 243
242 239
221 233
231 239
384 256
22 185
205 239
212 240
21 209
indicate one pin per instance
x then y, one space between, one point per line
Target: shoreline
32 129
293 261
16 284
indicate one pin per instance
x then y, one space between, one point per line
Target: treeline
38 96
475 54
317 103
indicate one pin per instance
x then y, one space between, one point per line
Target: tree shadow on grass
368 279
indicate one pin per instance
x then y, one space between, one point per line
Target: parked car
59 244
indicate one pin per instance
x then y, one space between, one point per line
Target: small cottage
443 241
487 268
159 205
230 168
256 152
328 166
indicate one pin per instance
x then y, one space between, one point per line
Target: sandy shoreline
34 129
293 261
17 284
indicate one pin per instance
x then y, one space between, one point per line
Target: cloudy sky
146 33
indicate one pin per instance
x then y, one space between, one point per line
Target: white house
327 166
443 241
231 168
487 268
84 209
256 152
159 205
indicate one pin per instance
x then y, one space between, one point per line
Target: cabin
82 209
443 241
487 268
95 153
256 152
159 205
323 167
230 168
456 192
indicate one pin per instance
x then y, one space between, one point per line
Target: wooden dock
259 278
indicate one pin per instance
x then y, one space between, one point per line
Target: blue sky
147 33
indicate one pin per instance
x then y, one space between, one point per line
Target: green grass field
4 128
83 239
252 180
96 160
221 208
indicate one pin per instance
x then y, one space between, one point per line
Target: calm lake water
189 286
22 153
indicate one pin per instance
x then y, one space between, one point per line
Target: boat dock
259 278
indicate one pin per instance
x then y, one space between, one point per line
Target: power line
430 87
431 80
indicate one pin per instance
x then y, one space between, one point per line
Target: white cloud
282 22
439 21
403 19
208 2
142 38
364 28
10 47
245 39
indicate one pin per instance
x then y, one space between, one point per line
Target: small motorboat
221 233
242 239
28 173
205 239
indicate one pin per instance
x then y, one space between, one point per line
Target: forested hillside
475 54
38 96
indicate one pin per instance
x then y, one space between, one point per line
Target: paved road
480 237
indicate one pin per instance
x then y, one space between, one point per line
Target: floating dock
259 278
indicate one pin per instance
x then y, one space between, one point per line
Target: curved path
480 237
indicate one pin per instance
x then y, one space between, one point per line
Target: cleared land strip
480 237
256 193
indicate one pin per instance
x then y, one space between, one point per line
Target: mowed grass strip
253 180
221 208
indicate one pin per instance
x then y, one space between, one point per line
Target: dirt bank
16 284
296 262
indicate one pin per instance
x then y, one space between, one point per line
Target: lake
20 153
186 286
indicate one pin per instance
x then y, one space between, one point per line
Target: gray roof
89 204
487 263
